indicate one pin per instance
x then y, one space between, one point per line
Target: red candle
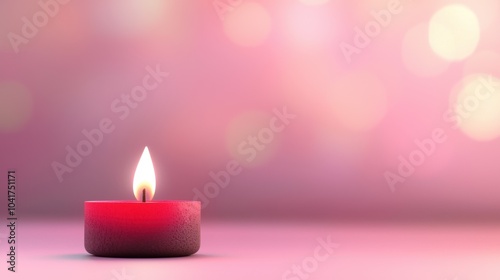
142 228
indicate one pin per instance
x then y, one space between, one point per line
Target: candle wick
143 195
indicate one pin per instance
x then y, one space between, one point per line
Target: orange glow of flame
144 177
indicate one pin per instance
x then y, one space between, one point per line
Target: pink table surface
49 249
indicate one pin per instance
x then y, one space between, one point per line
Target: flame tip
144 178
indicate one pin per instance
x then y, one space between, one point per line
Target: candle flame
144 177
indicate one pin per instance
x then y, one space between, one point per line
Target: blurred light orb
248 24
418 56
308 28
477 106
130 17
359 101
487 62
314 2
248 139
454 32
16 105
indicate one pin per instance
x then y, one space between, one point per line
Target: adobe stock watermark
310 264
121 109
30 28
122 275
249 148
427 147
225 7
364 35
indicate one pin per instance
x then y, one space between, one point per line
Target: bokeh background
230 64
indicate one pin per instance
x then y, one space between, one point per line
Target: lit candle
142 228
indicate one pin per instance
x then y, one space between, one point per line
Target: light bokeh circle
248 24
308 28
454 32
476 103
130 17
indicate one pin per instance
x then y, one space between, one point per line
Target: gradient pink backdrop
319 167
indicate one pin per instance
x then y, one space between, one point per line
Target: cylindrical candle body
142 229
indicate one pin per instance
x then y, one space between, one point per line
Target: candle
142 228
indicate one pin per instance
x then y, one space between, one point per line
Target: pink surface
54 250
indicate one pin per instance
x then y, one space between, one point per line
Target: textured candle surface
137 229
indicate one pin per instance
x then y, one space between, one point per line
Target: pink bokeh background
229 67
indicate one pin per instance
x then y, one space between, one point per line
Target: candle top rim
140 202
